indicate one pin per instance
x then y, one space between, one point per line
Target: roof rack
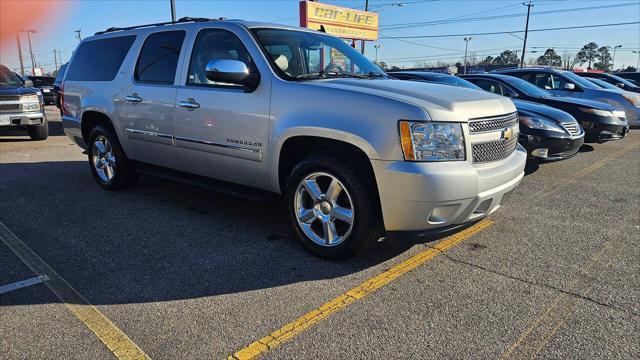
179 21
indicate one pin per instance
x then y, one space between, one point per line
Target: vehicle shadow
160 241
13 135
532 166
586 148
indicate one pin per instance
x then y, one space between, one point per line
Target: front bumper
424 196
549 145
610 130
24 119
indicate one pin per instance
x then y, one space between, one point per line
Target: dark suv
45 85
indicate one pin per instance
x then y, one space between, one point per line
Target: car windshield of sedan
527 88
580 81
302 55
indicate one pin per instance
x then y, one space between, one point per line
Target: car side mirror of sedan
620 85
511 94
569 86
231 72
28 83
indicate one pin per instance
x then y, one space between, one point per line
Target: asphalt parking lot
169 271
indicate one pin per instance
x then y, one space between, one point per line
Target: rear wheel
40 132
109 165
332 207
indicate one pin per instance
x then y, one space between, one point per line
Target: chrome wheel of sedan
103 159
324 209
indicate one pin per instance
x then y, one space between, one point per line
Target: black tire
125 172
39 132
360 185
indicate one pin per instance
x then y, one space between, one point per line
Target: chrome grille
9 98
9 107
493 123
572 127
494 150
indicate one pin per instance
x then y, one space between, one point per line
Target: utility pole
377 46
55 58
613 61
33 60
366 8
466 46
78 34
638 64
526 32
20 54
173 10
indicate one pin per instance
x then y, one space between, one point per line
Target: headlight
605 113
537 122
634 100
26 98
619 114
31 106
431 141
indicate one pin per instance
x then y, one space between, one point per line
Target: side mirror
620 85
28 83
232 72
569 86
511 94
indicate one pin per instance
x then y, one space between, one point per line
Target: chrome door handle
133 98
189 104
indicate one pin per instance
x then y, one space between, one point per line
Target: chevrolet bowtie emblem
507 134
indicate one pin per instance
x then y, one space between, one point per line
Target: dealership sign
339 21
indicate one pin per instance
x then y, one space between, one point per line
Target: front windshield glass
7 80
302 55
622 81
526 87
452 80
580 81
603 84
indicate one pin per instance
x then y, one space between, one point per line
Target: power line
494 17
507 32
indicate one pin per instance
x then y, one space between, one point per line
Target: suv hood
441 102
17 91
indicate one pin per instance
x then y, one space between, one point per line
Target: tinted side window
215 44
159 57
99 60
60 73
488 85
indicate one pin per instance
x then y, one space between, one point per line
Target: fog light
542 152
443 214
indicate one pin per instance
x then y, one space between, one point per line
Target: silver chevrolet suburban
274 109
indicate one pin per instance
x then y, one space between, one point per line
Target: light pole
33 60
638 64
173 10
526 32
20 54
613 61
466 47
377 46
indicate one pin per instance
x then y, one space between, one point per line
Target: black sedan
45 85
599 120
546 133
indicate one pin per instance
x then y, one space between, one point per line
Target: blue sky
95 15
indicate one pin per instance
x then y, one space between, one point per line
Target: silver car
566 83
270 109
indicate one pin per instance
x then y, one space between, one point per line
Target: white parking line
22 284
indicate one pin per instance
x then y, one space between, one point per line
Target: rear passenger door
150 99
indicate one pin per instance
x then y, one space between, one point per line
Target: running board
224 187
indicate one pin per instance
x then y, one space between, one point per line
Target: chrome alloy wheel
324 209
103 159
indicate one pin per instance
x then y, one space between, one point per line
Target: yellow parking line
110 335
306 321
545 326
589 169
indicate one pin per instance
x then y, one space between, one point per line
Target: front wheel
332 207
109 165
39 132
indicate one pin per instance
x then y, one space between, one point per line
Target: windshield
453 80
526 87
603 84
626 82
7 80
301 55
39 81
580 81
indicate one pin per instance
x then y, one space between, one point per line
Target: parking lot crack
537 284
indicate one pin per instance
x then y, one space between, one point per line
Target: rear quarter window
99 60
